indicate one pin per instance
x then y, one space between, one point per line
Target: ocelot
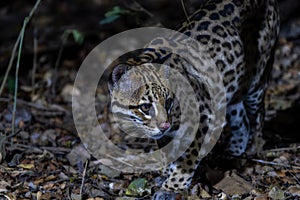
239 36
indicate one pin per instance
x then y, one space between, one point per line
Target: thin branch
35 50
58 60
10 64
186 13
23 147
284 149
83 179
17 76
20 42
15 49
274 163
140 8
50 108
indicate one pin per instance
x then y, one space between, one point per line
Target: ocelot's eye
146 107
168 103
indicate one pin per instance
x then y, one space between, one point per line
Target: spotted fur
239 35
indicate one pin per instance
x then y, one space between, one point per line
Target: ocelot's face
142 104
149 111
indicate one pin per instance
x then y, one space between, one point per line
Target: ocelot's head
141 100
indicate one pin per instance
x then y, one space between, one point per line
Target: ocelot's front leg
255 109
246 122
240 129
254 104
179 173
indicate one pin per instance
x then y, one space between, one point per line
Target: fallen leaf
136 187
26 166
78 154
294 190
276 193
233 184
3 185
109 172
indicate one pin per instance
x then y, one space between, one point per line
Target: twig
14 52
35 50
26 20
57 149
141 8
295 177
25 148
83 178
58 59
284 149
274 163
17 76
35 149
185 13
13 134
10 64
3 140
36 106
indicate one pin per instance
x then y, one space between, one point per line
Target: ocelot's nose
164 126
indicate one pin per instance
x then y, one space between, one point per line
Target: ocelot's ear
116 74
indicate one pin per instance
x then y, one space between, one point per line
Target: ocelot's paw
164 195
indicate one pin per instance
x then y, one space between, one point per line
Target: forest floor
43 158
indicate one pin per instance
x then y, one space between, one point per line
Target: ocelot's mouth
161 131
164 126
